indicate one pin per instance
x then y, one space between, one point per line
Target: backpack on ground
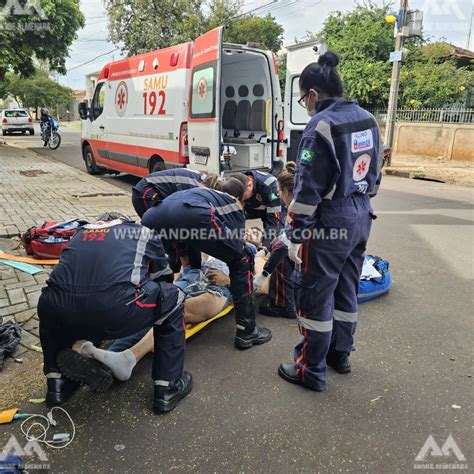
371 287
51 238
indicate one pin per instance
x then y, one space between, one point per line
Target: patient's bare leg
196 309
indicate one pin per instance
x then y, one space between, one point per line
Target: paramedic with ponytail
213 221
337 171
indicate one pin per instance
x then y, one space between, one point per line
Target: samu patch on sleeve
307 156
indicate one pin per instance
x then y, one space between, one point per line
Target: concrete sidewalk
432 169
34 189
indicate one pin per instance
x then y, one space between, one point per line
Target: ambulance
207 105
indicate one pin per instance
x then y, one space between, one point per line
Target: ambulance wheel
158 165
90 162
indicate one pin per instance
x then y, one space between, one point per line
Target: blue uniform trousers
327 283
66 318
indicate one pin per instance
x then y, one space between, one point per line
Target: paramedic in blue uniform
279 269
212 221
112 281
151 190
337 171
263 202
155 187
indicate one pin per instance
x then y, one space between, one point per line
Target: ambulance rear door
298 57
204 120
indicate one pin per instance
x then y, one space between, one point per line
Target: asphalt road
412 373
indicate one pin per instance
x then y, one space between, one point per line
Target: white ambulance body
296 117
210 106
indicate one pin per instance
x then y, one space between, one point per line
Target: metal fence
454 115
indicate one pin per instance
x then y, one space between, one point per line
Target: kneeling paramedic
111 282
216 218
337 170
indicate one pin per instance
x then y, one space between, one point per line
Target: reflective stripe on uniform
300 208
145 235
165 271
228 208
269 180
172 179
324 129
344 316
273 210
313 325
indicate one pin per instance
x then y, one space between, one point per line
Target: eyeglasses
301 100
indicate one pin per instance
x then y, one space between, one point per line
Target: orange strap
34 261
6 416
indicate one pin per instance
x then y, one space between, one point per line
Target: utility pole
395 81
468 39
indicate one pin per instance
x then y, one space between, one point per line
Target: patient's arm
218 278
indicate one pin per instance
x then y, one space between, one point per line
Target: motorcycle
50 133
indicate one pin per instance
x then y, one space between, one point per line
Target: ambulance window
98 100
298 114
203 97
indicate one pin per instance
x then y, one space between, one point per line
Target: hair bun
328 59
291 167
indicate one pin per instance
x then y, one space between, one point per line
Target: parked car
17 120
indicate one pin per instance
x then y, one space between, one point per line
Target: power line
92 60
253 10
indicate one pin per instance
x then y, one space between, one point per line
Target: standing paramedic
111 282
337 171
212 221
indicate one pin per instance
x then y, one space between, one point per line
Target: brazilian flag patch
307 156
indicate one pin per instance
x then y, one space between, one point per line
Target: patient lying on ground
207 294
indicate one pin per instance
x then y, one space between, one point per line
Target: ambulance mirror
83 110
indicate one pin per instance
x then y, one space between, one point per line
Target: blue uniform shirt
222 204
166 182
110 260
265 201
340 154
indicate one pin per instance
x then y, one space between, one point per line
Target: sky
443 19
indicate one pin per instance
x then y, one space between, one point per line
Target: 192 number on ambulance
150 102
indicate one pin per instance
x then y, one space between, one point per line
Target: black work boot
59 391
339 361
248 333
268 309
91 372
167 397
288 372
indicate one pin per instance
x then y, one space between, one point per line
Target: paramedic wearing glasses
262 202
337 171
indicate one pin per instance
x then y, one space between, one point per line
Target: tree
431 78
37 29
264 31
138 26
38 90
143 25
363 42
